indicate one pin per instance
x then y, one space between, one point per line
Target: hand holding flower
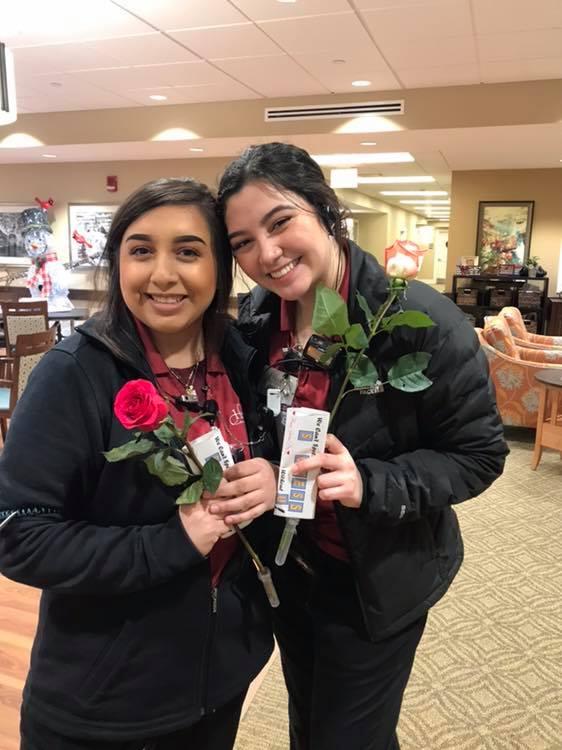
339 478
249 491
202 527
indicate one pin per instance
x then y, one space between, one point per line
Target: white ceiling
75 54
115 54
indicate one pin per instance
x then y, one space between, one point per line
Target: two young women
385 544
151 624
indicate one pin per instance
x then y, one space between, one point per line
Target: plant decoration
169 456
330 318
532 261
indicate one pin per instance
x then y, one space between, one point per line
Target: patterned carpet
488 673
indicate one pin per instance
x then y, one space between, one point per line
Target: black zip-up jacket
132 641
418 454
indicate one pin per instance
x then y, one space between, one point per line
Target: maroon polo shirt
312 392
230 420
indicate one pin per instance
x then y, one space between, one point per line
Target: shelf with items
481 295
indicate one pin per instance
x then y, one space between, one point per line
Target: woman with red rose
152 622
385 544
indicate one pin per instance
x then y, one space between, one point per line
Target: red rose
139 406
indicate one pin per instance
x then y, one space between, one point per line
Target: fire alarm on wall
111 183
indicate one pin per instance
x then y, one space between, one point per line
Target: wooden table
549 425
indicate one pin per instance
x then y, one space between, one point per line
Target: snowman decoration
47 277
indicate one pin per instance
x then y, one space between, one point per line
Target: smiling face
279 242
167 271
36 242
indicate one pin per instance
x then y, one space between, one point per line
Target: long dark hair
114 317
288 168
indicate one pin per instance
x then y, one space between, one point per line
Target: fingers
241 509
325 461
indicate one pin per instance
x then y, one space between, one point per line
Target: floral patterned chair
513 375
521 335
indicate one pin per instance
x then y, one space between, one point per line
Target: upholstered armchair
517 391
522 337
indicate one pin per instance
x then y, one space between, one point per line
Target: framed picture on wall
12 251
504 232
88 225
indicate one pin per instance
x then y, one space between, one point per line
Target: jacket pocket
106 665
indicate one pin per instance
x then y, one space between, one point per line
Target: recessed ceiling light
360 83
158 97
196 148
286 1
414 192
338 61
394 180
353 160
368 143
49 156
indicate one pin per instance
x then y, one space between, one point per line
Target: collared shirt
312 392
230 421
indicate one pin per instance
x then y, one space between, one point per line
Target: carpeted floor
488 673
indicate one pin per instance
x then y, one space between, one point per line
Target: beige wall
544 186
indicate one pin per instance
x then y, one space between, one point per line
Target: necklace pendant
190 393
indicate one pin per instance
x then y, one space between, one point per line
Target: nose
164 272
269 251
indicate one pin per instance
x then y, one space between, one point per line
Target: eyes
145 251
276 227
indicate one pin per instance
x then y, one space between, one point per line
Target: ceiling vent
324 111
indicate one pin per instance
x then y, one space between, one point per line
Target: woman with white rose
385 543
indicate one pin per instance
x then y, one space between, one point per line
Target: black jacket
418 454
132 641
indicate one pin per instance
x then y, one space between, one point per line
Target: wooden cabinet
478 296
554 315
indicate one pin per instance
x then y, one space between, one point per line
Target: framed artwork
12 251
88 225
504 232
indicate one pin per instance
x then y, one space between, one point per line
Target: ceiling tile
442 75
397 25
171 14
338 76
258 10
227 91
25 24
340 33
521 70
430 52
520 45
241 40
148 49
59 58
273 76
516 15
144 76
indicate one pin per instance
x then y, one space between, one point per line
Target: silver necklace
189 384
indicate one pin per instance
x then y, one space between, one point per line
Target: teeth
283 271
166 300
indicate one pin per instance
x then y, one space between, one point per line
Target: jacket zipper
208 648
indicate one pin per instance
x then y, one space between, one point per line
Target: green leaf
165 433
212 475
331 352
191 494
169 470
364 305
363 373
411 318
355 336
406 374
330 313
129 450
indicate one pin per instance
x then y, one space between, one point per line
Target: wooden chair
15 371
23 317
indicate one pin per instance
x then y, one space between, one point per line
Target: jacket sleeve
49 470
462 450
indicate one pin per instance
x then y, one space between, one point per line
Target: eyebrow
180 238
265 218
